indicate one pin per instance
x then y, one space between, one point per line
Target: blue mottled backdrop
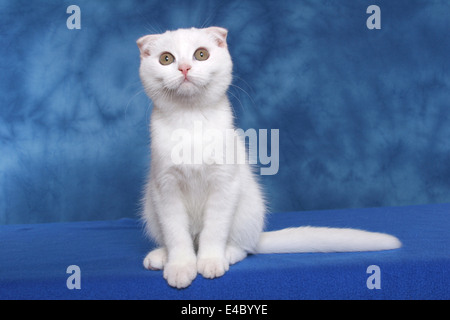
364 115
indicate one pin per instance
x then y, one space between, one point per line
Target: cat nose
184 68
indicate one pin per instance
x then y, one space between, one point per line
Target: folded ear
220 34
144 44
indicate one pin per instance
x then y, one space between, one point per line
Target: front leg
181 266
211 258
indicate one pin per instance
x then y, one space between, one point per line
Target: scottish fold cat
207 216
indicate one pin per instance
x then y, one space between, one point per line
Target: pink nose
184 68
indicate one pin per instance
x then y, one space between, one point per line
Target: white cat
208 216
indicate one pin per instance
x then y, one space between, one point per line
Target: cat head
185 65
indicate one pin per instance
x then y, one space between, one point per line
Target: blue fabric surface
34 259
363 114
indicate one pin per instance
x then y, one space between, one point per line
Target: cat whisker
147 112
245 82
131 99
153 30
240 103
208 21
246 93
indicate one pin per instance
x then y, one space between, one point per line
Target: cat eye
166 58
201 54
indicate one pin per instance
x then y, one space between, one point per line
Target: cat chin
187 89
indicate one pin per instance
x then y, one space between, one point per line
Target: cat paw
180 274
155 259
212 267
234 254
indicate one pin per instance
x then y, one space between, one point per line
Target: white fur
205 217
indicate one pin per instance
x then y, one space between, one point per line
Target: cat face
185 65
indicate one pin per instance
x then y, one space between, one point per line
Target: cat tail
321 239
